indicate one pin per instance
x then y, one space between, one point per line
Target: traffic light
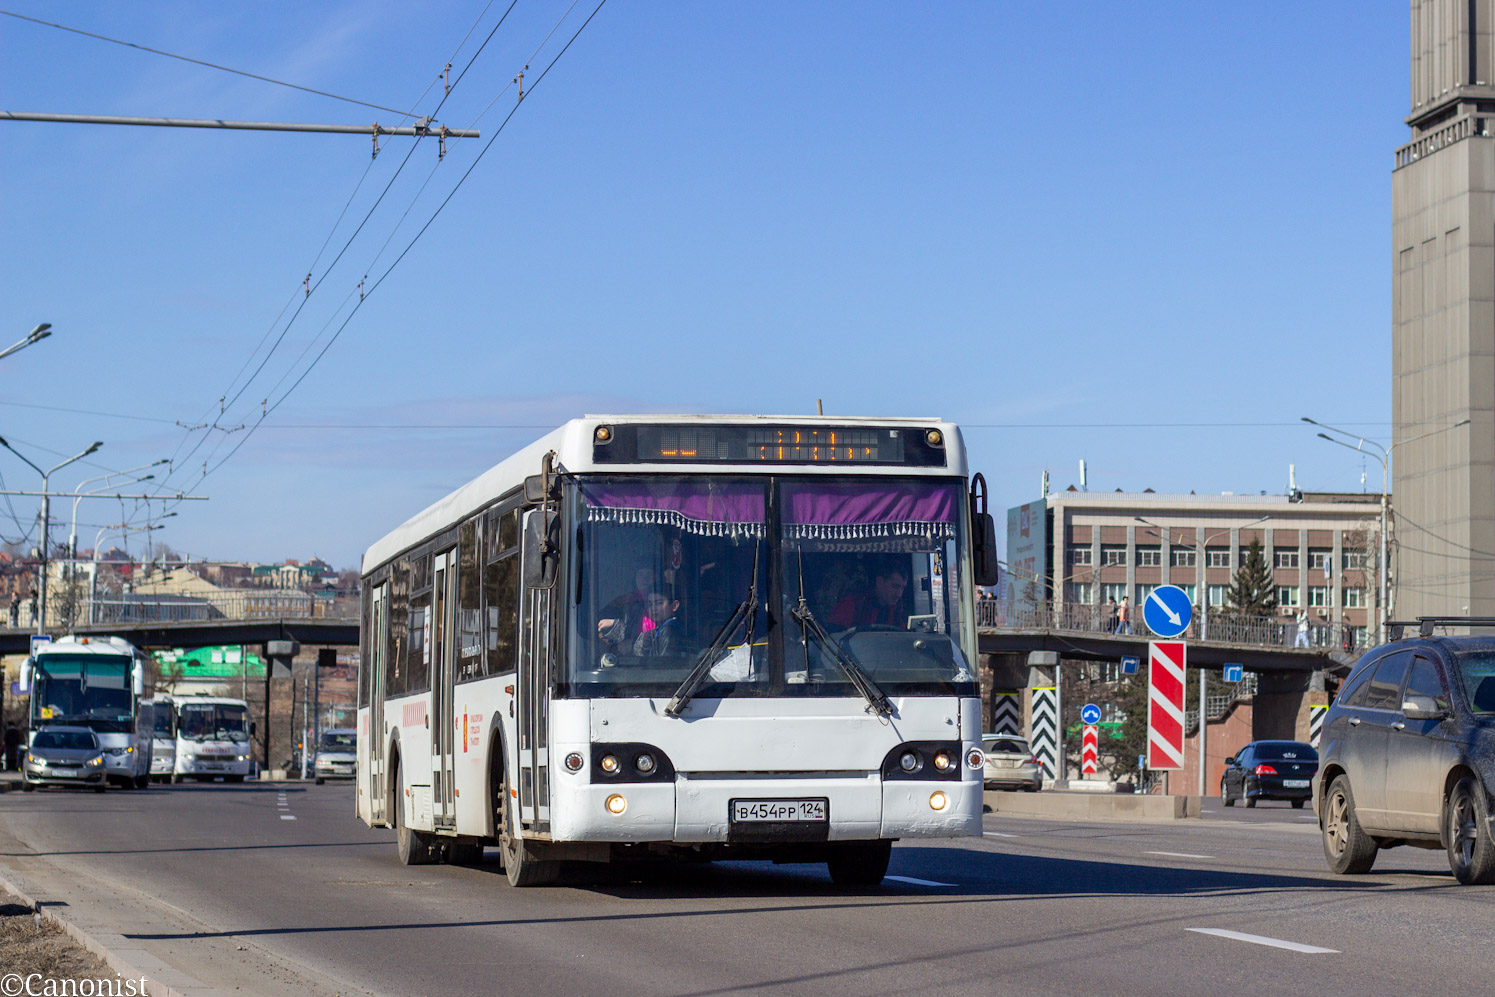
327 657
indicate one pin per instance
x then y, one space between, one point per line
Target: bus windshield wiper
747 609
877 701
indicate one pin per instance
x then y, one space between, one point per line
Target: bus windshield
213 722
87 689
161 725
777 583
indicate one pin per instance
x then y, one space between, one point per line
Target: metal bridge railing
232 604
1225 627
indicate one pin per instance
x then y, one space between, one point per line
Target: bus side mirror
983 536
24 684
137 679
542 549
253 728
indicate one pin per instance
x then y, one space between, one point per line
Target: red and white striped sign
1090 756
1165 704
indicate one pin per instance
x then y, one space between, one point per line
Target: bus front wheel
859 863
520 864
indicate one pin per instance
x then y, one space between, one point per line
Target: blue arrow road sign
1129 665
1233 673
1167 611
1090 714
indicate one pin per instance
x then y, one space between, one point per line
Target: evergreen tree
1251 590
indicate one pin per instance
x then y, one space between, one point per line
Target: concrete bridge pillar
1282 705
1004 676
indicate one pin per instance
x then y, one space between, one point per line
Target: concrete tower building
1443 230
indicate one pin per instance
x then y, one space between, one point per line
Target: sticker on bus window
46 713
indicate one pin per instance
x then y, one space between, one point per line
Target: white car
1010 763
337 754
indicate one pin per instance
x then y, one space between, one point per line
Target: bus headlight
645 764
909 761
609 764
938 801
616 804
943 761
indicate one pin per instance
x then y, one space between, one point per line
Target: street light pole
41 615
1385 458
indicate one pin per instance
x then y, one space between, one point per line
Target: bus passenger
881 606
625 618
663 637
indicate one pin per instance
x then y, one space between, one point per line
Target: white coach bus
99 683
716 637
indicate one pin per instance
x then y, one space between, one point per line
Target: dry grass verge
31 944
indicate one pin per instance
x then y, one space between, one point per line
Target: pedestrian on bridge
1124 616
1111 617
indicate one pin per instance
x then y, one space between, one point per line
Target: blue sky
1149 236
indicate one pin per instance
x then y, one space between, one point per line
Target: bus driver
881 606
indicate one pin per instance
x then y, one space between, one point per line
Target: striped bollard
1090 758
1316 724
1045 736
1007 713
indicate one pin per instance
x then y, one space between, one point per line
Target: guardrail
1224 627
228 605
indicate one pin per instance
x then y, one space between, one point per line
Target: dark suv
1408 753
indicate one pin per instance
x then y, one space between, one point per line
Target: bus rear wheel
859 863
414 847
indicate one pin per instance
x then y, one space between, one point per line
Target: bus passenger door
374 736
443 653
533 720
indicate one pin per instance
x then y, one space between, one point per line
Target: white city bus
93 682
163 736
212 739
717 637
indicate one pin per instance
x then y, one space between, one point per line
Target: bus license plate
1294 783
748 811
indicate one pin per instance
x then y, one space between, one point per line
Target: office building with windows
1087 548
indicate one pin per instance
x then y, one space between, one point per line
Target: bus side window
502 591
469 605
399 629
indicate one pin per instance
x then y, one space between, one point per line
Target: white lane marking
998 834
1307 817
1203 811
1278 943
1180 855
916 882
286 817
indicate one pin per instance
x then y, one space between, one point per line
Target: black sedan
1270 770
64 756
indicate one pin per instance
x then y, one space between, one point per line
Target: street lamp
79 494
1202 574
47 516
1385 458
35 335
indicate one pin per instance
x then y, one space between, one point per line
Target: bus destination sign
776 444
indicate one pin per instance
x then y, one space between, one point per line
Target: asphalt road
221 883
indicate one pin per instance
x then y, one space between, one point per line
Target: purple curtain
870 509
708 508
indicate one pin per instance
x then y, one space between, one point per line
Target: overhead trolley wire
224 402
200 62
416 238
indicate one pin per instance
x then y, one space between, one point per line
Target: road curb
125 968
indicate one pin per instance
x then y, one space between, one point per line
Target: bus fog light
574 762
616 804
645 764
909 762
975 759
943 761
938 801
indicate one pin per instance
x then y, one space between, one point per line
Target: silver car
1010 763
64 756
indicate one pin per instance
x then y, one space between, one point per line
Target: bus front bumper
699 807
